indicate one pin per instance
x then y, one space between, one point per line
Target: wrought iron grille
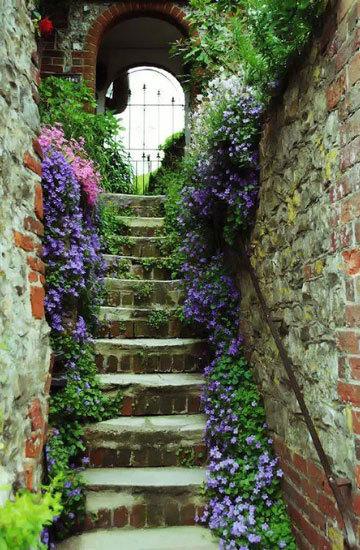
145 154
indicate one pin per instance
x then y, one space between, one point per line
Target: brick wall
306 252
24 345
73 47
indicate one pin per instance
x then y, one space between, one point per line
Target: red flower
46 26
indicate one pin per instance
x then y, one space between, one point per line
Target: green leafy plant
23 518
158 318
143 290
111 227
72 105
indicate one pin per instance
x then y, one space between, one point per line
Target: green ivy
158 318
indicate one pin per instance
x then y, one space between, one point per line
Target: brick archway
118 12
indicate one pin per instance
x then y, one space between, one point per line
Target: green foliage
23 518
259 36
173 148
158 318
143 290
110 227
72 104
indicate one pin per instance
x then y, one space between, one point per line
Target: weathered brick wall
73 47
24 346
306 252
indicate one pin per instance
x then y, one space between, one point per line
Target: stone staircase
146 472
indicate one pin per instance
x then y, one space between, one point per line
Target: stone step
141 205
143 247
150 355
150 441
168 538
128 292
156 394
137 226
138 322
140 268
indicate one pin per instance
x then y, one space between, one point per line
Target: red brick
357 474
32 164
300 463
316 473
121 517
335 92
36 415
37 148
29 477
33 277
23 241
348 341
35 226
36 264
33 446
127 406
352 260
315 539
138 516
356 422
187 514
350 209
356 504
39 208
37 296
353 315
350 154
349 393
354 363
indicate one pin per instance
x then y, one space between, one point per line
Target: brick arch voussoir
113 15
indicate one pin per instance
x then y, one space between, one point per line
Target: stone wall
306 253
24 345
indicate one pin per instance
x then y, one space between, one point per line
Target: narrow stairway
144 481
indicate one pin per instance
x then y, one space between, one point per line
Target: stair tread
138 313
162 538
143 198
152 380
150 424
149 343
142 221
136 282
144 477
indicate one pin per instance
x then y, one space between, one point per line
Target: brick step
150 355
143 497
166 538
140 205
137 322
128 292
143 247
156 394
137 226
150 441
119 267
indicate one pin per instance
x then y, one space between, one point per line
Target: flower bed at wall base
75 266
245 506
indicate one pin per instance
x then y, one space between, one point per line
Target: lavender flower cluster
245 506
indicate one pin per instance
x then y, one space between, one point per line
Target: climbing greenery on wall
240 52
72 105
71 184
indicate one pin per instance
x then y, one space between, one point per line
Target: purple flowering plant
75 268
245 506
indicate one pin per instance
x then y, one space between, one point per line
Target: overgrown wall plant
71 185
249 43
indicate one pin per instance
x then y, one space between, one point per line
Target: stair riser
141 248
145 455
140 328
128 297
145 207
117 269
192 361
141 231
146 512
153 401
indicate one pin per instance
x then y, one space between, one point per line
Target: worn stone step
128 292
137 226
148 441
143 247
140 322
169 538
141 205
122 267
156 394
151 355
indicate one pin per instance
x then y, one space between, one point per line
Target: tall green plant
72 105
